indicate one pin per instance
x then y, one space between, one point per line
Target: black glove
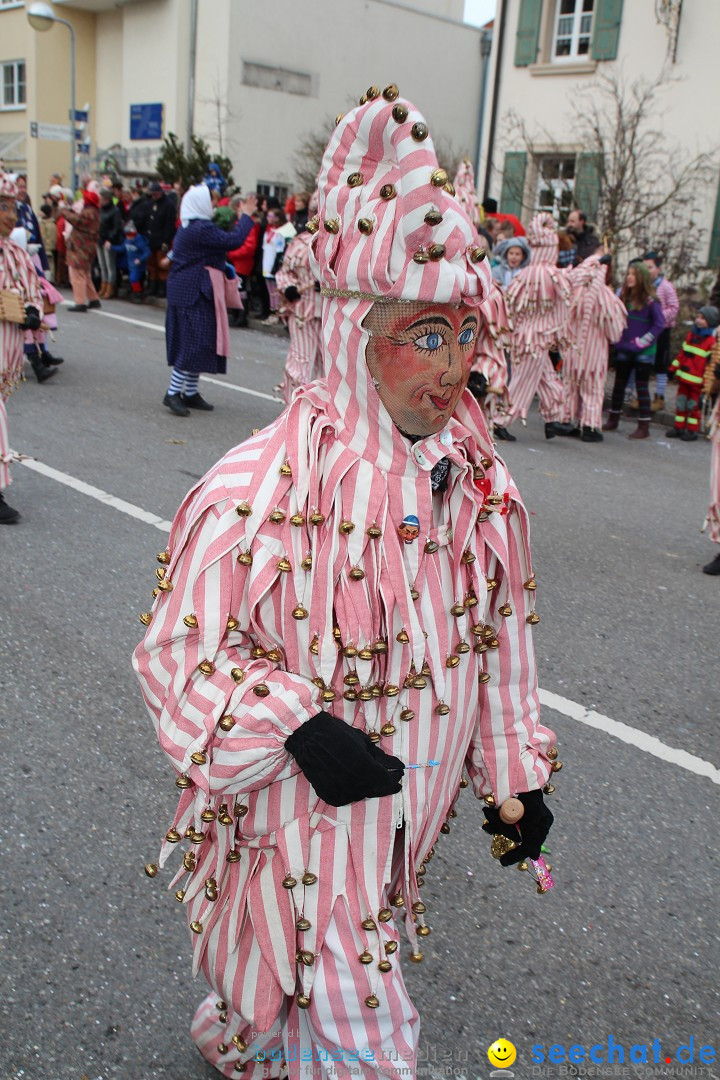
477 385
291 293
343 764
317 286
605 260
33 318
531 830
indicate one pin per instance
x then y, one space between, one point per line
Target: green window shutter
606 29
588 178
528 32
714 255
513 185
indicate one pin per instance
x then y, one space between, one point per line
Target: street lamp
41 17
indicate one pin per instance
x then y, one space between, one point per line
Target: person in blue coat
191 328
137 253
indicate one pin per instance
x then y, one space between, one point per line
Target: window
555 186
4 4
13 85
275 78
572 37
281 192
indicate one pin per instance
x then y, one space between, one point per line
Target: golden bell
365 653
350 695
285 469
211 894
421 256
145 618
491 584
206 667
163 557
380 646
431 547
452 661
365 225
419 132
477 254
222 1048
298 520
180 895
444 828
374 736
151 869
419 683
523 865
416 957
232 856
232 624
189 861
306 564
423 931
374 532
369 924
243 509
337 633
442 709
457 610
199 758
289 882
197 837
314 646
351 679
245 558
155 593
464 782
274 654
397 900
552 753
391 947
470 600
530 584
384 966
433 217
332 225
385 914
462 647
372 93
355 179
549 788
237 674
400 114
402 637
388 191
225 819
338 118
406 715
239 1043
365 957
261 690
391 690
371 1001
436 251
556 766
172 836
483 677
449 187
316 518
505 610
376 690
306 957
356 574
208 814
387 730
419 908
284 566
303 924
329 695
299 613
365 694
160 573
346 527
165 586
477 630
349 651
414 593
257 652
308 878
183 781
276 517
533 618
303 1001
438 178
196 927
390 92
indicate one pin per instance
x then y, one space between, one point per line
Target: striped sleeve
221 714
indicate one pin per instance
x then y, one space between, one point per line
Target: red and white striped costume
494 337
713 514
17 274
538 301
286 589
597 317
304 358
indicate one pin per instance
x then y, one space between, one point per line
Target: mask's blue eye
467 336
431 342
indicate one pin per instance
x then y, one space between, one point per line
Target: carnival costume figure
490 366
538 302
300 289
20 310
598 317
319 673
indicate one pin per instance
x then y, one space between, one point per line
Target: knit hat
388 225
711 315
130 228
91 198
8 187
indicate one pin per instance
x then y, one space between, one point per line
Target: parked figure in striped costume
538 301
343 624
17 276
299 288
598 317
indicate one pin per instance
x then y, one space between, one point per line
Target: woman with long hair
636 348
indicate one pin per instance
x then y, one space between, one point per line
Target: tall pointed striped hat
388 225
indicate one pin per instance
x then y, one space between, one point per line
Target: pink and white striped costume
465 191
538 301
304 358
17 274
494 337
597 317
713 514
286 589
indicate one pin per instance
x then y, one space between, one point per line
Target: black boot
504 435
42 371
48 358
175 405
711 568
559 429
674 433
591 435
195 401
8 516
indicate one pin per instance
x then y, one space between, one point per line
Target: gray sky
479 12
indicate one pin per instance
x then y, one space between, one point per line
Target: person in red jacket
243 259
688 367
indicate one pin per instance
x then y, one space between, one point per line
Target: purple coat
190 327
644 326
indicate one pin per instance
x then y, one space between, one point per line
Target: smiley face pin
501 1054
409 528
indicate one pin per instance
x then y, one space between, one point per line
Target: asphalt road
95 962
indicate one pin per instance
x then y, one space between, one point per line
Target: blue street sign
146 121
81 116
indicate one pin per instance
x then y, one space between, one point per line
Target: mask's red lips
440 402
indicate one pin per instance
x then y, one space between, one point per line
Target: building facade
250 79
547 53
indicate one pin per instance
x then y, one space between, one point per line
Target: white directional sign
54 132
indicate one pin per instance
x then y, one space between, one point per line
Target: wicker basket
12 308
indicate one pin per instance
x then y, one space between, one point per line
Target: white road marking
572 709
630 735
205 378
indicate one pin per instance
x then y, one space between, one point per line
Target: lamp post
41 17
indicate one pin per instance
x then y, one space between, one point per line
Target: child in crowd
689 369
512 256
670 305
273 244
137 250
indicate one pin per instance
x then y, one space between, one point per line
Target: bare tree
308 156
222 115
